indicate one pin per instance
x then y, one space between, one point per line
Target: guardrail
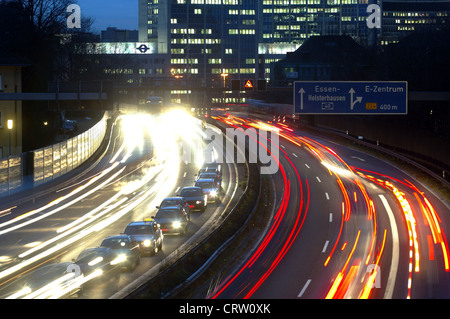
381 149
164 280
191 280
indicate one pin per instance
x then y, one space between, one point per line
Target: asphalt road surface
346 225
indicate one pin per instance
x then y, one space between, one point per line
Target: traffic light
236 85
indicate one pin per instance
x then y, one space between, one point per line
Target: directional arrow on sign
349 97
358 98
301 91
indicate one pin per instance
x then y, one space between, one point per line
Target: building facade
212 42
400 18
10 110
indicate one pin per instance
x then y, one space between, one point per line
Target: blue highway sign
341 97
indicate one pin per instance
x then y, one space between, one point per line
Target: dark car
214 165
213 168
195 197
172 219
148 234
69 127
213 176
174 201
209 188
52 281
125 248
100 262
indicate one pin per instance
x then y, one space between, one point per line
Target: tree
30 29
47 17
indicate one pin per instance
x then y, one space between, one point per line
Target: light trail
271 233
339 287
426 210
109 211
55 202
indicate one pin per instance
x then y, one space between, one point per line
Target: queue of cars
138 238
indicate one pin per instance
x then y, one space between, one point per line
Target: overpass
79 96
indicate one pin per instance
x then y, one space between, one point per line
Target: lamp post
10 126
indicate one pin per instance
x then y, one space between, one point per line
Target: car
99 262
52 281
214 170
69 127
195 197
173 201
211 175
209 187
173 219
148 234
213 167
125 248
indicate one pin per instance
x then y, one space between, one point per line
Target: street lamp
10 126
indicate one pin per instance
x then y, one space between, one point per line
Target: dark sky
122 14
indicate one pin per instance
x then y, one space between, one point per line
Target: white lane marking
395 250
304 288
331 217
325 246
328 197
359 158
282 146
307 165
178 188
184 175
318 179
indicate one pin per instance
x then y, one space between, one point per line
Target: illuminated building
400 18
212 42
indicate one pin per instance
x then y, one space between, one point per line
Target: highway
345 225
145 161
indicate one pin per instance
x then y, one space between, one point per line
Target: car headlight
213 193
97 273
176 224
198 202
147 243
119 259
95 261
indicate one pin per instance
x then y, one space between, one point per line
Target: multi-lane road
145 161
345 225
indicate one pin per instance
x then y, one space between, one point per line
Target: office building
211 42
400 18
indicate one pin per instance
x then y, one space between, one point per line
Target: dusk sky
122 14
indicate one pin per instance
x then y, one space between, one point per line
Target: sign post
341 97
